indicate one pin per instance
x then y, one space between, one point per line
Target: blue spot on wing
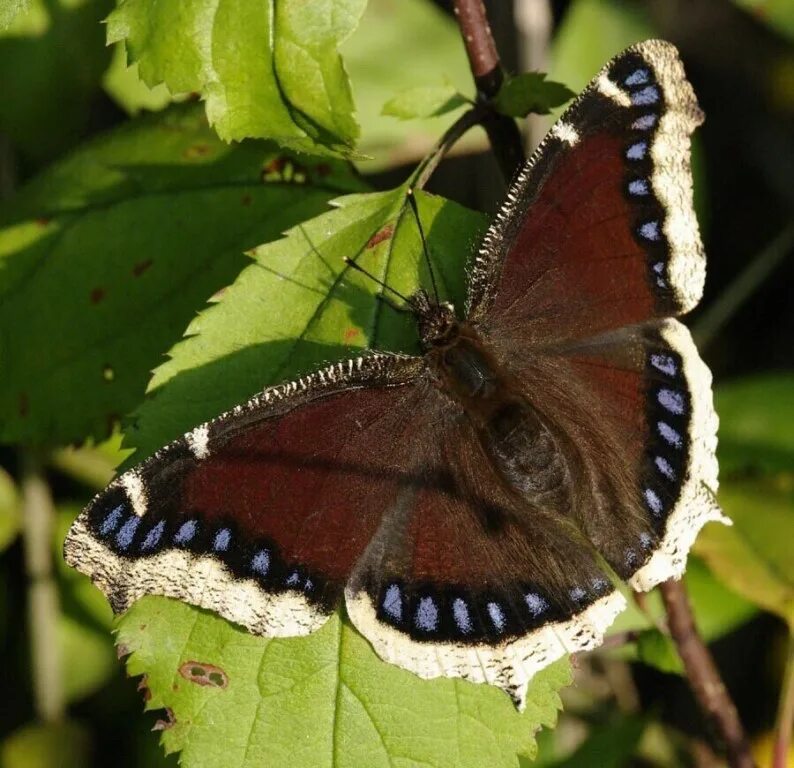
460 612
186 532
221 541
426 617
645 97
152 539
637 77
112 520
260 562
127 532
393 602
497 616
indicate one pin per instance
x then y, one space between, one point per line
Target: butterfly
472 506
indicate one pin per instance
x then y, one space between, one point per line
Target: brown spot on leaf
141 267
246 200
382 234
122 650
204 674
97 294
323 169
24 404
275 166
168 722
42 221
143 688
350 334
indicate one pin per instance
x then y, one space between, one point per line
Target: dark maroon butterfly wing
261 513
598 230
597 238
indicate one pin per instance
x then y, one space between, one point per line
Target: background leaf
117 247
530 92
778 14
56 53
10 9
266 70
427 43
424 101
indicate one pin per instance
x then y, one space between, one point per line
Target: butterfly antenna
412 202
380 282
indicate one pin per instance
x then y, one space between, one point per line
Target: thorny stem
486 69
703 676
43 609
785 713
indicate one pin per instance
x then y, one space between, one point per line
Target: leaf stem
43 608
486 69
785 713
703 676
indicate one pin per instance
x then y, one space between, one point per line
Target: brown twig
703 676
486 69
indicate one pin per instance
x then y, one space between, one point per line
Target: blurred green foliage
114 235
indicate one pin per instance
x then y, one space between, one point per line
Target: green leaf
52 59
122 83
611 745
88 658
266 70
756 424
777 14
361 710
530 92
424 101
67 745
10 510
10 9
659 651
753 557
424 40
117 247
299 305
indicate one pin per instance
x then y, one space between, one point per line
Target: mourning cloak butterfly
469 504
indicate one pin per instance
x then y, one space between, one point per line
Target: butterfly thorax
511 431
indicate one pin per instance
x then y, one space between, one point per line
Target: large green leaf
52 58
753 557
10 9
756 425
297 305
106 257
266 70
321 700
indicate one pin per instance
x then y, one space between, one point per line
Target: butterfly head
437 322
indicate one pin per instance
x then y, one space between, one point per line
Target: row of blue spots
124 536
653 501
427 615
